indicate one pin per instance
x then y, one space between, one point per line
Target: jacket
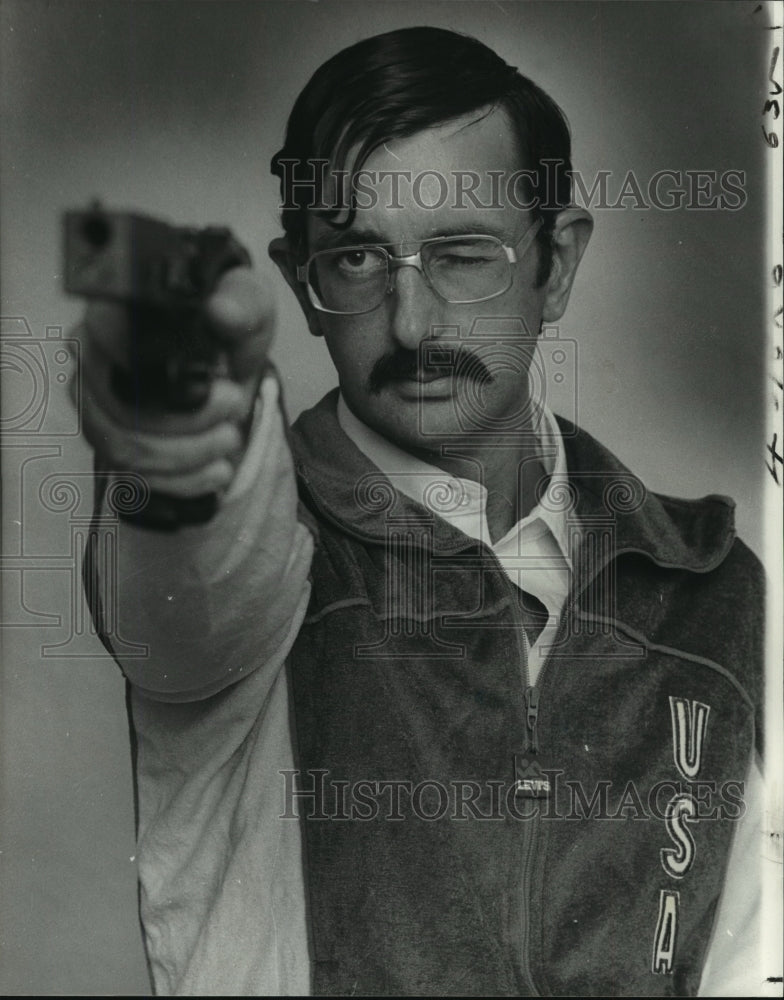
405 663
467 834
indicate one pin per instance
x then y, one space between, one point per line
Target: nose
414 307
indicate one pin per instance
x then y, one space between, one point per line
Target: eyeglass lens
460 270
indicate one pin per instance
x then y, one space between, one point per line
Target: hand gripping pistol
163 274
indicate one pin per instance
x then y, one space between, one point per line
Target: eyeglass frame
394 262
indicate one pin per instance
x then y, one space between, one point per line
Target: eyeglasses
350 281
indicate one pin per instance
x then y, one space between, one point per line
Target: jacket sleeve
738 962
212 603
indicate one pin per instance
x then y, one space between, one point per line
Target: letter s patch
677 860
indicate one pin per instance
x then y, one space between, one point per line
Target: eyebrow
477 230
334 239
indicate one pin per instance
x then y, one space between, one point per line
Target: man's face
375 353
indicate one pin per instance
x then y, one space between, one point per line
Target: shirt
536 553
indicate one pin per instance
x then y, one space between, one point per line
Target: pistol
163 274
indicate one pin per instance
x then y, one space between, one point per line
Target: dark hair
393 85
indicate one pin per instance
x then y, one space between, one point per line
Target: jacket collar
343 486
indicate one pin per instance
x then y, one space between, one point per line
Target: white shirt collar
460 501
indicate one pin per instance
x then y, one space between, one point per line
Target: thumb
241 311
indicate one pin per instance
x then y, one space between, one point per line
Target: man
509 694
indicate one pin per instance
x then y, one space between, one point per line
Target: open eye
358 263
354 259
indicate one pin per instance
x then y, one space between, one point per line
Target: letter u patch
689 725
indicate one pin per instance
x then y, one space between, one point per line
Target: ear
286 259
572 230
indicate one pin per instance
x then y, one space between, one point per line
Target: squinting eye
464 253
459 258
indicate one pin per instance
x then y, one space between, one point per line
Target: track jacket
410 670
463 832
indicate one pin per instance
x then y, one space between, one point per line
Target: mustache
429 361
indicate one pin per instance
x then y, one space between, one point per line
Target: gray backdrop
175 109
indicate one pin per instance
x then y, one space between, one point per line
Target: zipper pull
534 778
532 717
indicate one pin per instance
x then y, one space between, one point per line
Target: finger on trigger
225 403
177 454
130 449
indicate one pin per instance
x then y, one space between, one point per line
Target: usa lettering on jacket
689 726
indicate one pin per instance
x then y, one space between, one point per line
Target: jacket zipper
531 743
531 834
530 829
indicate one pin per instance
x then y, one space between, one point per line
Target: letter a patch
666 933
689 725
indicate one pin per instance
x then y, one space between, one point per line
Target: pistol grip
174 376
183 384
175 362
